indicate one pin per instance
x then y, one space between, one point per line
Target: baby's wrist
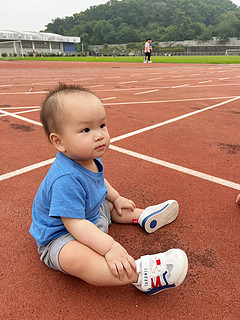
111 247
116 198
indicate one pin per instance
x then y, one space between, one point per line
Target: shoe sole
180 279
161 217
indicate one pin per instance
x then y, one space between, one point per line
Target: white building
15 43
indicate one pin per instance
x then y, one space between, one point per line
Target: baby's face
84 132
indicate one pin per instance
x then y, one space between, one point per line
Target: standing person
147 51
97 52
75 204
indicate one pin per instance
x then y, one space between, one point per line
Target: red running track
164 119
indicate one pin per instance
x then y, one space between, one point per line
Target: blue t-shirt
68 190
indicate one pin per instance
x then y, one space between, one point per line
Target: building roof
37 36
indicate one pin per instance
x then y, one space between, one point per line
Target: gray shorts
50 253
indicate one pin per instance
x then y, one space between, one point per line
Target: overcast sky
30 15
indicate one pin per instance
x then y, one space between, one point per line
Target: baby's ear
56 140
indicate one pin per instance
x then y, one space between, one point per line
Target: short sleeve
67 198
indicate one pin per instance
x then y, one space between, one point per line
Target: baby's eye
102 125
85 130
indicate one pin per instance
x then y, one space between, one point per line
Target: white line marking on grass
26 169
175 167
19 112
157 125
146 91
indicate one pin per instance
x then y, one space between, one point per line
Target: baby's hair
50 113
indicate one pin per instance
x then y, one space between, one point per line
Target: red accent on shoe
158 262
135 221
157 282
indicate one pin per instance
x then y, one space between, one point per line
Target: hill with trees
163 20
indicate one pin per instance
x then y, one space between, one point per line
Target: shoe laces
158 267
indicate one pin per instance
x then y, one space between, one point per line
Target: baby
75 204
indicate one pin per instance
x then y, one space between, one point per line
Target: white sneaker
161 271
144 61
155 217
149 61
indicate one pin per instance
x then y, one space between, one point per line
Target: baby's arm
238 199
118 201
118 260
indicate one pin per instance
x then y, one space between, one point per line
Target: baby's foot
161 271
155 217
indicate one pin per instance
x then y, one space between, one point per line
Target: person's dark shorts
49 254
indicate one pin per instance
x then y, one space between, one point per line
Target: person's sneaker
149 61
144 61
155 217
161 271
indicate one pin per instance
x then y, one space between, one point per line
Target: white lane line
206 81
155 79
15 93
19 112
175 167
108 98
133 81
26 169
97 85
43 163
20 117
167 87
126 103
224 78
157 125
16 108
113 77
79 80
146 91
181 86
164 101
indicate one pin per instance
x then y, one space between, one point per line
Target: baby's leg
82 262
150 219
155 273
128 216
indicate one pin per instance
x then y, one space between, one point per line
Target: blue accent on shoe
152 214
157 289
153 224
164 277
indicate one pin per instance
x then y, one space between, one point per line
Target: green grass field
157 59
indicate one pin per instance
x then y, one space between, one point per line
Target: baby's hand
120 262
238 199
123 203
